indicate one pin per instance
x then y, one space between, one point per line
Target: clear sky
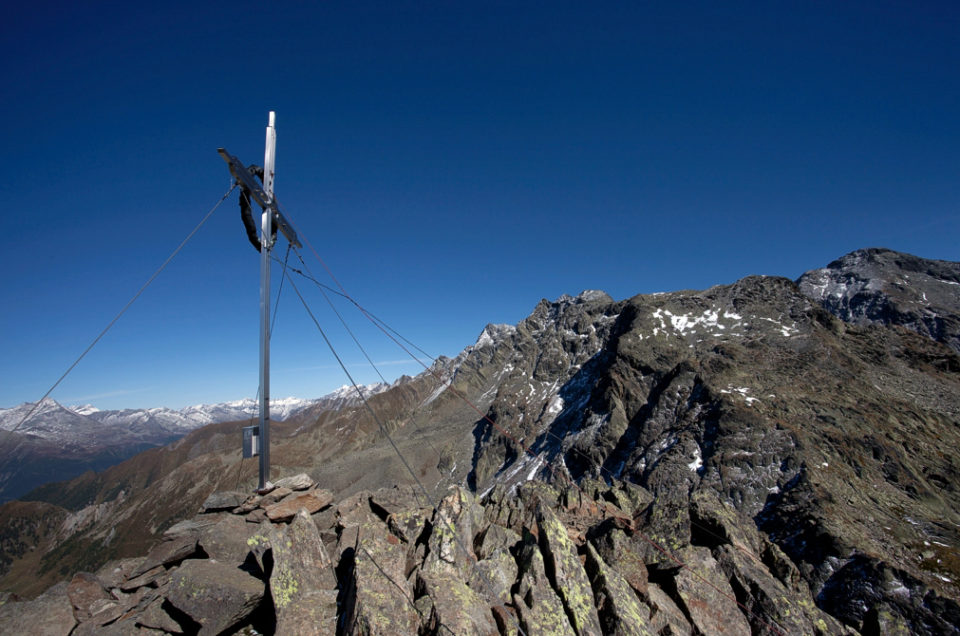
452 162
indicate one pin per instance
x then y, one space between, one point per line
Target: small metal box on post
251 441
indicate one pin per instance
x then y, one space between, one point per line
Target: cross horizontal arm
245 179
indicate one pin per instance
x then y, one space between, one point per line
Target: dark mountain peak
881 286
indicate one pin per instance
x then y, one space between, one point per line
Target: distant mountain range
763 457
59 442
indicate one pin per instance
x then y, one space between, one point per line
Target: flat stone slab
50 613
216 595
173 550
310 500
296 482
223 500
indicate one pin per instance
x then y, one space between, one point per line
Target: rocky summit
748 459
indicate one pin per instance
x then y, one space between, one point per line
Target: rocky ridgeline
749 462
579 560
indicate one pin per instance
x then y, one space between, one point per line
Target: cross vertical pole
266 246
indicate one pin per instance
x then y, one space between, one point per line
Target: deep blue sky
452 163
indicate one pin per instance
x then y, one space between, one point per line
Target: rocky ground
543 560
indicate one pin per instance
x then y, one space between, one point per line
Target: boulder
274 496
457 609
226 540
83 590
50 614
497 574
156 617
621 612
167 552
567 573
303 582
665 616
707 596
301 481
380 601
455 522
494 539
408 525
215 595
154 577
311 501
223 500
539 609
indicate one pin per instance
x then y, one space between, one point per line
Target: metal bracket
244 178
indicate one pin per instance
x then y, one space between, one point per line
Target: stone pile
536 560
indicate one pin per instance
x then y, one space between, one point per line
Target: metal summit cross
263 196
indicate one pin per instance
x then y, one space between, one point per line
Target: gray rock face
50 614
215 595
303 582
880 286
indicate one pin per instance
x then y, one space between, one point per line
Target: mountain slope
58 443
881 286
743 419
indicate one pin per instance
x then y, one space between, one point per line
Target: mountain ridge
58 442
745 419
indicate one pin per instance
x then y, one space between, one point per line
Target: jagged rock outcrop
547 575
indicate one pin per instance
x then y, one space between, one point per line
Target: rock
259 544
215 595
84 589
274 496
301 481
154 577
539 609
167 552
567 573
303 582
454 525
249 504
380 601
614 546
666 617
771 605
223 500
114 573
311 501
226 540
50 614
102 611
456 608
408 525
256 516
619 609
498 573
155 617
494 539
387 501
194 525
707 596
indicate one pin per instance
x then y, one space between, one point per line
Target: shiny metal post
266 246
